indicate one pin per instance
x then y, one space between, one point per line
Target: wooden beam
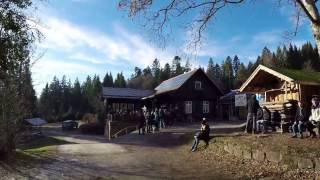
285 91
299 87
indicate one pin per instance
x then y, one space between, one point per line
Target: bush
92 128
89 118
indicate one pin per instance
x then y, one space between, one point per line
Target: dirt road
163 155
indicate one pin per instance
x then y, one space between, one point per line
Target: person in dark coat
299 121
204 135
264 119
142 123
252 107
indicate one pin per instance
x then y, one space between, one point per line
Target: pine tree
217 72
176 68
165 72
227 72
235 64
267 58
211 69
120 81
187 66
137 72
241 75
156 70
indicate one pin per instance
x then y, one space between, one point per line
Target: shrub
92 128
89 118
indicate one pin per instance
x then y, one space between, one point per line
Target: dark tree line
150 77
232 73
62 99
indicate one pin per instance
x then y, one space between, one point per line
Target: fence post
109 122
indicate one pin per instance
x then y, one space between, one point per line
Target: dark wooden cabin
124 99
191 96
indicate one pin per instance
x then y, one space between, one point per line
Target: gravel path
153 156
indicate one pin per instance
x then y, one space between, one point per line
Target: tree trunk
316 34
312 12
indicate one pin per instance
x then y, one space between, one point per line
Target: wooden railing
125 130
115 129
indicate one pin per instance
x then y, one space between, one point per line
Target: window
188 107
205 107
197 85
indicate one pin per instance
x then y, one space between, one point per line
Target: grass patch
43 143
42 146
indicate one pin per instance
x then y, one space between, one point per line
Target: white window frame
205 107
197 85
188 107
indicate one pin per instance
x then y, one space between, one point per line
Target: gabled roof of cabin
177 81
125 93
289 75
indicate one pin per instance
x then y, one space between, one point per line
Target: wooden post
109 124
300 97
285 90
265 96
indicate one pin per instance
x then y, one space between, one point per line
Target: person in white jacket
315 114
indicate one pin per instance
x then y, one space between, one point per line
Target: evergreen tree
147 71
137 72
108 80
227 73
235 64
211 69
165 72
120 81
241 75
176 68
187 66
267 58
156 70
217 72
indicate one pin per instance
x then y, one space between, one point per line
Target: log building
274 87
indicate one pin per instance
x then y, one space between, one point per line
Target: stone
237 151
317 164
227 148
247 154
258 155
305 163
289 162
274 156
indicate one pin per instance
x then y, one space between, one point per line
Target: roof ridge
189 72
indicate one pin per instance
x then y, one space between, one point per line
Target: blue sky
86 37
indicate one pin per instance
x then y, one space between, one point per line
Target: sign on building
240 100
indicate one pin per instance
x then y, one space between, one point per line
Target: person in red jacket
204 135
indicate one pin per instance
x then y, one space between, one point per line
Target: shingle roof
125 93
174 83
36 121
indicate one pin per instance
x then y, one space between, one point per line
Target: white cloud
123 46
268 37
45 69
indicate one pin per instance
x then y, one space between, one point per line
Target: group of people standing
152 121
259 119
